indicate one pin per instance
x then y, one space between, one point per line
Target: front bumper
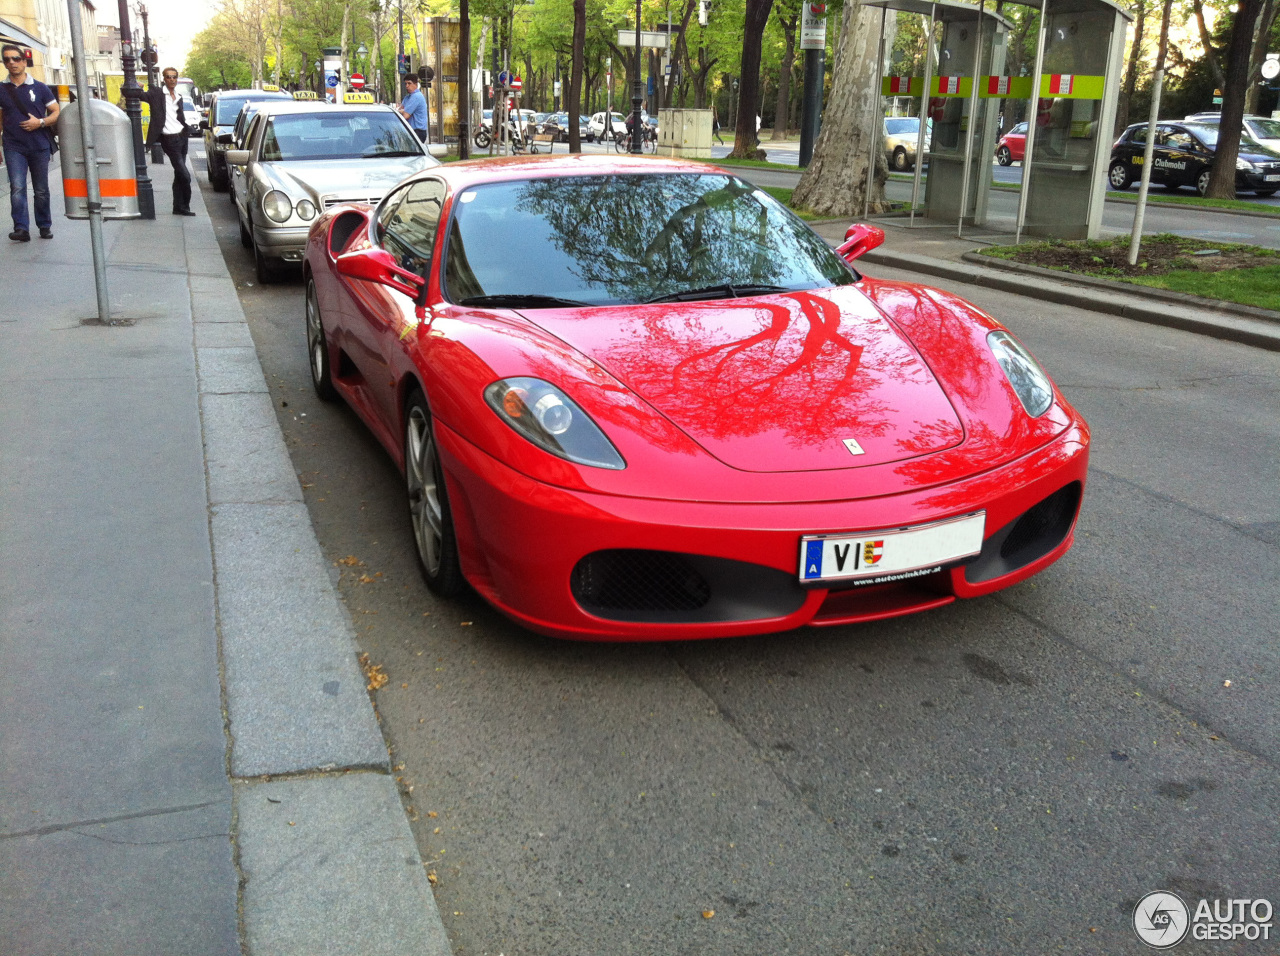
521 542
282 242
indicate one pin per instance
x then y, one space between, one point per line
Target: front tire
1264 193
429 513
318 347
1004 157
264 266
1202 182
1118 176
900 163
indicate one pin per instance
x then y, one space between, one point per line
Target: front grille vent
1042 527
337 201
633 580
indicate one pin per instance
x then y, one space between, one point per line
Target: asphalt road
1007 775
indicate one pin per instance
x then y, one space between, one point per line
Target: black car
1182 155
558 125
224 107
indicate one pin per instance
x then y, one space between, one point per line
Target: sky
173 23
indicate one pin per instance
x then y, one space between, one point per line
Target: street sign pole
637 90
90 156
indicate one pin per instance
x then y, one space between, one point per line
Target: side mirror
378 265
204 124
238 157
222 139
860 239
438 149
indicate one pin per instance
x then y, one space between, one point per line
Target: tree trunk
1260 38
575 74
1210 53
342 56
782 113
835 182
1131 71
754 21
1222 177
279 44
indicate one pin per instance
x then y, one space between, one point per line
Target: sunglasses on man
14 59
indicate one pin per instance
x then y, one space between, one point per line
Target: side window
1179 139
410 232
1162 135
270 152
388 211
1139 136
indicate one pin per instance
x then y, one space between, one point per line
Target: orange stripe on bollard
107 188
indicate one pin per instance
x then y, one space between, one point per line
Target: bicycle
648 141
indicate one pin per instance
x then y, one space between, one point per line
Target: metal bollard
113 144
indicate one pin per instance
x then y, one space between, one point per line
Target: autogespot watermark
1162 920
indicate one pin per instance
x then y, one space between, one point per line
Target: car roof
265 94
512 168
290 106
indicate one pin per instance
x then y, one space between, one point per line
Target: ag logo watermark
1162 920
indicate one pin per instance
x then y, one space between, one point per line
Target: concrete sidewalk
189 761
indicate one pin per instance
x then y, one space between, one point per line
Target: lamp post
148 60
132 93
319 79
637 91
464 80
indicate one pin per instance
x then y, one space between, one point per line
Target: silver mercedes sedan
301 158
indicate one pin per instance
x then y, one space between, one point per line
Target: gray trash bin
113 142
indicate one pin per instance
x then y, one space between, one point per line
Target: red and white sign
900 84
1060 84
948 85
997 86
813 26
357 81
516 83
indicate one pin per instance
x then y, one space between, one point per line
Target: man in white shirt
169 128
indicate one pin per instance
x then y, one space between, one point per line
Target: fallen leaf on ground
707 914
350 560
373 672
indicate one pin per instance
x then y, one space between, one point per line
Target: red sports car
1012 147
687 418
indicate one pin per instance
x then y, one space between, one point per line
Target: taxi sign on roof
270 88
304 94
354 97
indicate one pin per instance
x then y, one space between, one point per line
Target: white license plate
1271 179
892 554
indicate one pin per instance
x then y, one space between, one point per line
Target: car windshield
1264 128
684 235
337 135
903 124
229 106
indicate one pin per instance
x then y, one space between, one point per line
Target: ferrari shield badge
853 446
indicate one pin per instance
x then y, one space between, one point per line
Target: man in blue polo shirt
27 110
414 107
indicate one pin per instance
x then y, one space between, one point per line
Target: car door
1178 152
1130 150
381 318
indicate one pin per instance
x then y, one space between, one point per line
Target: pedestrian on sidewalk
715 126
28 113
414 107
169 128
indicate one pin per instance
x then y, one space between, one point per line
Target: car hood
774 383
1257 155
341 179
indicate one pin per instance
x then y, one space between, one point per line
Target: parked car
693 420
301 158
191 99
1012 146
1182 155
557 124
901 136
218 127
602 129
1261 129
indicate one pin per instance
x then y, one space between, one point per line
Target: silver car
300 158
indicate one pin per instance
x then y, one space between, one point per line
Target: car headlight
305 209
551 420
277 206
1244 164
1028 379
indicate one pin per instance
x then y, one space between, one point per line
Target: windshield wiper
391 152
520 300
723 291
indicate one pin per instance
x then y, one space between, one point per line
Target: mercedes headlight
551 420
1244 164
277 206
305 209
1028 379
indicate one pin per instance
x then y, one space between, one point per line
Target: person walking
414 107
28 112
715 126
169 128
